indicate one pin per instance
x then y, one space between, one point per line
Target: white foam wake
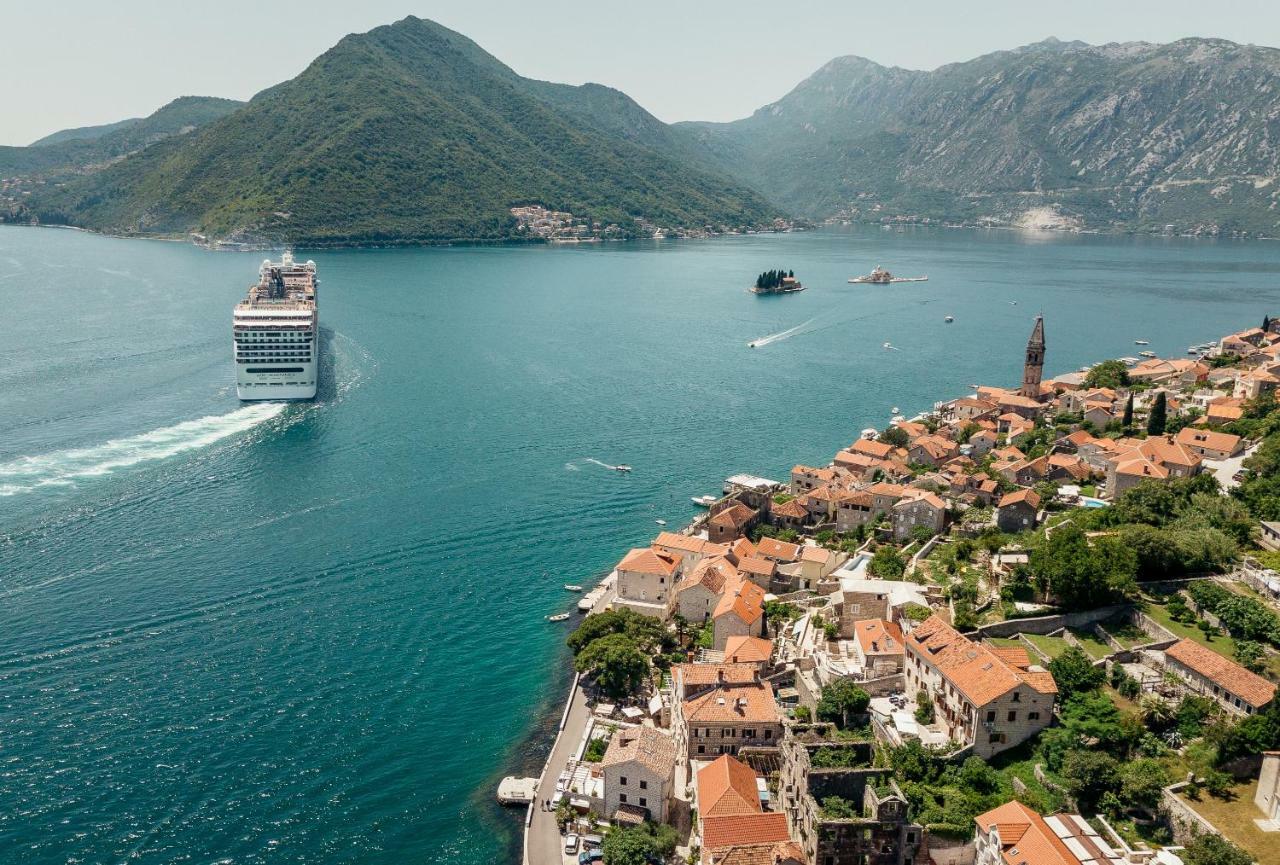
63 467
779 336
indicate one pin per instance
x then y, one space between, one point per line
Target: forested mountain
409 132
1125 136
72 149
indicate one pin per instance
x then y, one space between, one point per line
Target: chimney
720 675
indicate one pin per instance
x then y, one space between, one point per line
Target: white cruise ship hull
275 334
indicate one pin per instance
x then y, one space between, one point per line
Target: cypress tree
1266 323
1128 412
1159 416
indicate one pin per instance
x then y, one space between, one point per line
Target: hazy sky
76 63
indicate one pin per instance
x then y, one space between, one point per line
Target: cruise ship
274 332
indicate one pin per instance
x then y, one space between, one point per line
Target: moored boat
880 276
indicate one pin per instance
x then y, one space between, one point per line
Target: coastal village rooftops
790 509
878 637
649 747
1018 401
879 450
1208 439
911 428
850 460
747 650
912 494
972 668
645 560
733 704
756 565
735 516
713 573
746 602
822 474
706 675
1026 839
727 786
1228 674
681 543
1009 452
883 488
744 829
772 548
1031 497
774 853
818 555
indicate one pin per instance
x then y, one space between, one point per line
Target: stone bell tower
1034 367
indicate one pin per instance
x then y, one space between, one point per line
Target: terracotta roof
683 543
757 565
879 450
1018 400
774 853
1208 439
735 516
1031 497
878 637
1142 467
701 675
733 703
791 509
712 573
972 668
886 489
746 601
727 787
651 748
1079 437
747 650
824 474
646 560
912 496
819 555
1227 674
740 829
1025 839
773 548
743 548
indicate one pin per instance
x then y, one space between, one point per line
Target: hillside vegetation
410 132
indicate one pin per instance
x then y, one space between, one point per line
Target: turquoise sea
315 632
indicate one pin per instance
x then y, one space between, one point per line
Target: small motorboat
1147 353
622 468
661 522
573 588
1013 303
948 319
704 501
895 410
558 617
1141 342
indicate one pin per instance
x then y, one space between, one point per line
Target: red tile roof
727 787
738 829
1222 672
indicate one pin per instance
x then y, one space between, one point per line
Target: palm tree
1155 711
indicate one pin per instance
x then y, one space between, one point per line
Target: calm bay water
315 633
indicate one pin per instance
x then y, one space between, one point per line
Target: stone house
878 648
992 699
731 522
1210 674
927 510
1017 511
638 769
698 594
1208 444
724 719
739 613
646 579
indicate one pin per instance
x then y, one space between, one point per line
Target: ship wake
780 335
64 468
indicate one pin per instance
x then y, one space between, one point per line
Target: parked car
587 857
571 843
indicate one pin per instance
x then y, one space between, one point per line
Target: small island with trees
777 282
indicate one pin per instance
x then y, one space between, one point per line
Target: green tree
1127 420
617 663
629 846
1210 849
1090 774
1250 655
1082 574
1142 780
895 436
1074 673
1110 373
842 700
1158 416
646 632
887 563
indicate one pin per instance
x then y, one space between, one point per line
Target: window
622 797
768 734
1033 716
748 734
644 785
991 717
644 803
1013 716
623 780
702 749
1017 696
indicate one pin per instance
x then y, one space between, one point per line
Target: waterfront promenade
543 844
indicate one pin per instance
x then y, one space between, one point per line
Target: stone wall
1185 823
1045 625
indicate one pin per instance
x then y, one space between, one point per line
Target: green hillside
409 132
1125 136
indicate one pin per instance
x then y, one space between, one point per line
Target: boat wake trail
62 468
597 462
780 335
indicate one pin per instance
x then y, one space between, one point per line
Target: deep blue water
315 633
